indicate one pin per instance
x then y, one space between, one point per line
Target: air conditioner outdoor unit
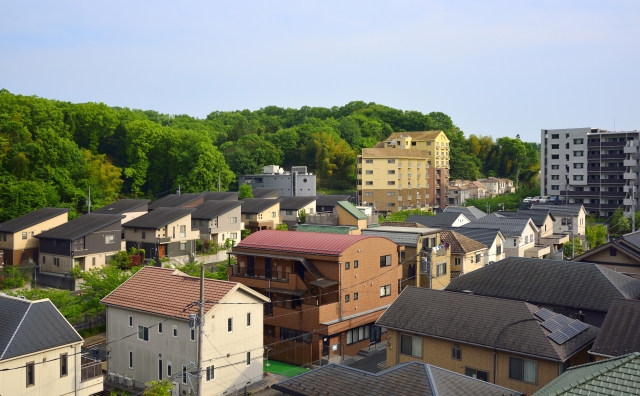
120 378
128 382
111 377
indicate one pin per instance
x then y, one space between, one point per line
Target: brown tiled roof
166 291
402 224
420 135
394 152
300 242
459 243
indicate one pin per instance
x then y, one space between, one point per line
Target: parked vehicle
545 199
528 200
536 199
556 200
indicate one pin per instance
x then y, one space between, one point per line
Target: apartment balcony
610 181
616 169
322 218
593 156
631 148
630 175
399 186
90 368
537 251
399 164
601 206
613 156
628 201
399 175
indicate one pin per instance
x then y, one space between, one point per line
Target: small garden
15 276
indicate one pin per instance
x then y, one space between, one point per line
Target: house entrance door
161 251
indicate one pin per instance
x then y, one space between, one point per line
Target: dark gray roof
471 212
619 332
440 219
632 238
538 216
560 210
486 236
263 192
158 218
174 201
257 205
124 206
553 282
330 200
295 203
31 219
485 321
221 196
508 226
83 225
213 209
414 378
31 326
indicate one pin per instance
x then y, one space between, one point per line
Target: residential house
412 378
477 189
220 196
471 212
619 254
617 376
466 254
327 290
561 286
155 306
260 213
457 195
327 203
178 201
218 221
498 186
129 208
87 242
290 208
17 236
405 171
619 333
513 344
545 221
297 182
490 237
419 243
40 352
520 235
569 219
164 233
447 219
344 214
266 193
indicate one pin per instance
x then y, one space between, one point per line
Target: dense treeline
51 152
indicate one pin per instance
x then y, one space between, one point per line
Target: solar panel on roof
559 337
579 326
569 331
544 314
563 320
563 329
551 325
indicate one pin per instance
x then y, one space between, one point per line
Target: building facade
297 182
408 170
218 221
590 166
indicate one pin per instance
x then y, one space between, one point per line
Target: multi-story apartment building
407 170
297 182
589 166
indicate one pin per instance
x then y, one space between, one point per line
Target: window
183 246
143 333
184 374
515 243
478 258
555 146
175 331
24 235
130 359
109 239
385 291
478 374
144 235
456 261
391 161
130 321
293 335
248 358
183 231
159 327
358 334
441 269
355 263
555 156
578 141
456 353
613 252
159 369
234 235
578 153
169 371
499 250
368 183
555 136
347 265
93 261
385 261
523 369
347 298
578 177
391 194
555 187
578 165
355 296
233 220
43 259
64 369
391 172
248 319
192 335
411 346
368 194
555 177
210 373
391 183
288 212
526 239
555 166
368 161
273 215
31 374
229 325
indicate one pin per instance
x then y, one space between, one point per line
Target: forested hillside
51 152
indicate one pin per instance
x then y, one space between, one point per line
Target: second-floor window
441 269
456 353
24 235
289 212
229 325
347 298
144 235
411 346
63 365
210 373
499 250
143 333
273 215
385 261
523 369
109 239
233 220
183 231
457 261
478 258
385 291
249 216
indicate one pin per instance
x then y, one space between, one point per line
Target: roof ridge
608 365
16 331
432 382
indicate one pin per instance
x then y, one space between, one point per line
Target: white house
521 235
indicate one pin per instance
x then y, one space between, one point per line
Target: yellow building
408 170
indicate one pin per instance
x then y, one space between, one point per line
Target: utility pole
89 201
200 325
178 189
218 181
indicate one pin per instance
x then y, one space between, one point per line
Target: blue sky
498 68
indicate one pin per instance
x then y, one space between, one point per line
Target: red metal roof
301 242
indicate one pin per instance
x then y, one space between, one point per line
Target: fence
90 368
59 281
91 321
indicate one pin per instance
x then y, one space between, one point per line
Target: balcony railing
322 218
259 273
90 368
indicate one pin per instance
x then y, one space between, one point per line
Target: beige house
466 254
165 232
260 213
498 186
17 236
218 221
290 208
461 190
40 352
157 304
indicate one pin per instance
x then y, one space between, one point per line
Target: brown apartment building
327 290
408 170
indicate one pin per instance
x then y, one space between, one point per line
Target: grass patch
288 370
